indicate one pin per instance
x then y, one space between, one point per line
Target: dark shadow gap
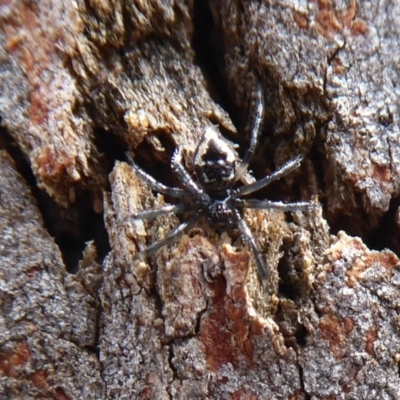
288 280
208 50
111 146
301 336
386 234
383 233
209 56
301 373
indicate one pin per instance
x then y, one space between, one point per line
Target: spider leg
172 236
282 171
261 267
155 185
184 175
165 210
275 205
255 133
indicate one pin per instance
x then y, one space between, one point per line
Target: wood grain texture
190 322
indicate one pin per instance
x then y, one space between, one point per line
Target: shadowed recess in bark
211 62
157 164
301 336
71 228
111 146
288 288
209 52
377 235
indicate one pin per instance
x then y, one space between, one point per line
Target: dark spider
213 196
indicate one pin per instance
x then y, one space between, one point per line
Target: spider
214 195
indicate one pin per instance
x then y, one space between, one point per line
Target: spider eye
217 172
215 161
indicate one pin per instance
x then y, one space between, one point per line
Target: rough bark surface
48 318
82 82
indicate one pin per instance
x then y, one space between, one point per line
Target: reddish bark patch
353 252
38 110
225 330
34 272
10 361
60 394
297 395
359 27
335 330
346 389
39 379
371 337
348 16
49 164
338 66
343 245
244 394
215 335
301 20
355 271
28 40
348 324
146 393
385 259
329 21
382 174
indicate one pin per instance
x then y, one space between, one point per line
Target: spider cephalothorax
214 195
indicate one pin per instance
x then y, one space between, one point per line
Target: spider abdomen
215 161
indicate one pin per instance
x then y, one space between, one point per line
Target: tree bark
83 82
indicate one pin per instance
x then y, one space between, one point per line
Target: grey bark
191 321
